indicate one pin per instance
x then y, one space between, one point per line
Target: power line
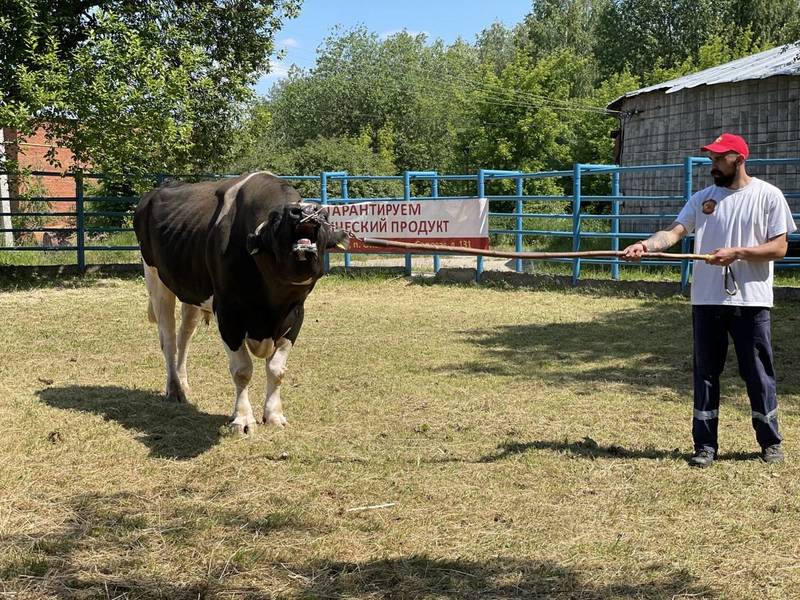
509 97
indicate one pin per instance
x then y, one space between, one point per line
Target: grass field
525 444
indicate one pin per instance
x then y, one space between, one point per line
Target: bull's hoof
277 420
175 393
241 427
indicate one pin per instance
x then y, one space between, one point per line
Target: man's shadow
585 448
589 449
169 429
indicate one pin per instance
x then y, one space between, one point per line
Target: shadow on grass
170 430
22 278
745 456
586 448
105 547
646 347
503 577
406 577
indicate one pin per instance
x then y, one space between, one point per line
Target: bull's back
172 225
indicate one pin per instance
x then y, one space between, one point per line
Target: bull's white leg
190 317
276 368
241 367
162 303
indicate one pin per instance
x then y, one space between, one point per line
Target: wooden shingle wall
665 128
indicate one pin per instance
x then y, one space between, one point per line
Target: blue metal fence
586 223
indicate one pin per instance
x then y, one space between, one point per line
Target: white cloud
278 69
288 42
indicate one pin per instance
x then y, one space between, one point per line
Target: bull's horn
253 241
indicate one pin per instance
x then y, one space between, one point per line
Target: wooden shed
757 97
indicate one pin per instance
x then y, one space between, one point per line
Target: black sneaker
772 454
702 458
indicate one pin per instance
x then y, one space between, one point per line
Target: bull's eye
295 212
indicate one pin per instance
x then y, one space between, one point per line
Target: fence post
576 221
687 195
345 196
518 244
323 200
615 223
80 222
407 198
6 237
481 194
437 261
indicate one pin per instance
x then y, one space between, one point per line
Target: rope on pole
375 242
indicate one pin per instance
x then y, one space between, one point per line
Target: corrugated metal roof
783 60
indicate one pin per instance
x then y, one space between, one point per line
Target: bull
248 250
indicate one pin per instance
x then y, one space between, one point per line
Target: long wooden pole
534 255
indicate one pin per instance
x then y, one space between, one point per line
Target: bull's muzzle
304 247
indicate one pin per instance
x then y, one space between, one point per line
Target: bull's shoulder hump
267 186
228 192
230 186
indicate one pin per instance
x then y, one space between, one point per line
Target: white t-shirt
724 218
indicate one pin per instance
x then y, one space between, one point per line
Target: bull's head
296 237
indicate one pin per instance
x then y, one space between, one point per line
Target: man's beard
722 180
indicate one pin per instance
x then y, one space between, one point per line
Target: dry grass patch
533 444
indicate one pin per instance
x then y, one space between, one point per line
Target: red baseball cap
728 142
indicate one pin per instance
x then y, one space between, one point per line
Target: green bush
106 196
30 200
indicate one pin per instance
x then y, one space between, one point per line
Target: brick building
32 153
757 97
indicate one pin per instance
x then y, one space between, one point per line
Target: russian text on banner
462 223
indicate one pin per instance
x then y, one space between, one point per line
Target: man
743 224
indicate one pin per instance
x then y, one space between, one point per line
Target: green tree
715 51
497 46
416 91
527 113
135 87
650 35
640 34
770 22
352 154
554 25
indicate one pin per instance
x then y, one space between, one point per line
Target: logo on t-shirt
709 206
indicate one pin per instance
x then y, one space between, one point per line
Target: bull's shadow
168 429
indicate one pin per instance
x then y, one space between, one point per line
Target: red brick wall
32 154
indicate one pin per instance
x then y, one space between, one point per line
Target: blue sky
444 19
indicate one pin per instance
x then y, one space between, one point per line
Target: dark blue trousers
749 328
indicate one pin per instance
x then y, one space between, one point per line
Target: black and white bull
247 249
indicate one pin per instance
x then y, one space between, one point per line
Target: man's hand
723 256
634 251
